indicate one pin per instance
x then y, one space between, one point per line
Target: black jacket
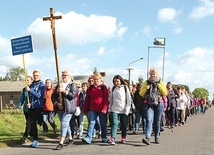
138 101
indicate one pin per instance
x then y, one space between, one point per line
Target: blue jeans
81 121
48 115
74 121
64 120
97 127
92 120
140 115
203 109
153 117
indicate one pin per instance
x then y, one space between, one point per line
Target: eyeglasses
90 80
64 75
35 75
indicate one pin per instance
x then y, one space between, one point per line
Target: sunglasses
64 75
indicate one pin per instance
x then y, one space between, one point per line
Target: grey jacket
69 100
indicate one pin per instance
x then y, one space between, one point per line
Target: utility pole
129 73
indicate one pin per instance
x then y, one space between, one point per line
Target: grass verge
12 126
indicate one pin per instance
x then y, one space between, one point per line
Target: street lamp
129 73
135 61
159 43
129 69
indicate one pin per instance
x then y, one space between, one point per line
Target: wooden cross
52 18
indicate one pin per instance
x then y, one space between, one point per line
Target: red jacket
96 99
196 103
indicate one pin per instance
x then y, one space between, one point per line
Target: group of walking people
37 106
102 106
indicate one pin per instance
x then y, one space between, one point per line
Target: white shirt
181 102
118 100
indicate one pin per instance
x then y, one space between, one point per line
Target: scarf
64 85
156 80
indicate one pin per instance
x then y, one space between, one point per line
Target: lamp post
129 73
129 69
159 43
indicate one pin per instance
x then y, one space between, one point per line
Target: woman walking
119 106
96 104
153 106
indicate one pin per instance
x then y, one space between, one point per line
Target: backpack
153 94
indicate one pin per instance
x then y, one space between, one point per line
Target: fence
0 104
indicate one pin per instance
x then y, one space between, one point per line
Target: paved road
194 138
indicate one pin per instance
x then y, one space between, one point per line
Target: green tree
15 74
200 92
140 79
182 85
95 71
2 78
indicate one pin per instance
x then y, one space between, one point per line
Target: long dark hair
123 82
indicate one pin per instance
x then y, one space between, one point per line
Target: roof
11 86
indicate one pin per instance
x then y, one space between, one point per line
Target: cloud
72 29
121 30
177 30
196 57
78 66
3 70
147 30
101 51
75 28
167 15
170 15
193 68
9 60
205 9
4 45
